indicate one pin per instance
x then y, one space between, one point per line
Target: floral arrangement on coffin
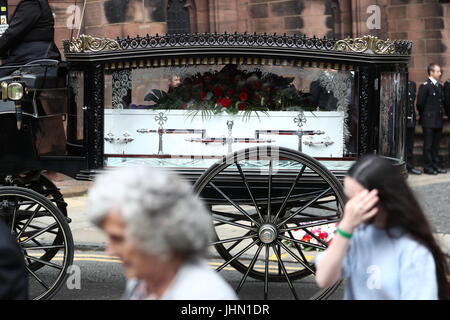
324 233
232 90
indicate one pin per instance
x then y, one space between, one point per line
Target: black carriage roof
183 49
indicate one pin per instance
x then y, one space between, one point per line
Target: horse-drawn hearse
264 126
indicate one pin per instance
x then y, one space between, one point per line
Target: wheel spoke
30 206
304 207
16 206
289 193
237 255
316 224
238 242
231 240
298 248
319 206
37 278
238 207
234 223
250 267
303 242
266 275
315 237
306 265
285 273
28 221
52 226
269 200
233 216
59 246
47 263
249 190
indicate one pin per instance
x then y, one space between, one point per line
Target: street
102 277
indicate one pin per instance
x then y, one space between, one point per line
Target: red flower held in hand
243 96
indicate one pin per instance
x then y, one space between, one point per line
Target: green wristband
343 233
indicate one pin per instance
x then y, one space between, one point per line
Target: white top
377 266
433 80
193 281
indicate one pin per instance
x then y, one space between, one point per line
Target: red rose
243 96
323 235
217 91
306 238
202 95
230 92
242 106
224 102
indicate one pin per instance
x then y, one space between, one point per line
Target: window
178 19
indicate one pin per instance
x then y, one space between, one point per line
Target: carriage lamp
15 91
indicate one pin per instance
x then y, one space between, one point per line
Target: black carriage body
278 196
376 65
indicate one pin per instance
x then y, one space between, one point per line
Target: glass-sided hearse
263 126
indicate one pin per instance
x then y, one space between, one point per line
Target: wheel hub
267 233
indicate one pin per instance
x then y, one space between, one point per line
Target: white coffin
127 132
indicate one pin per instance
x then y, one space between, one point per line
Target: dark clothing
410 125
27 52
31 21
410 147
13 275
321 97
30 35
447 97
431 139
430 104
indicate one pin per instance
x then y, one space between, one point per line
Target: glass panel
392 115
207 111
76 113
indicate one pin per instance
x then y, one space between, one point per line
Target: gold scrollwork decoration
85 43
366 44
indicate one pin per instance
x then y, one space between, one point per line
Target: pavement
433 193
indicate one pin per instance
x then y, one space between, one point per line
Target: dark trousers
410 147
431 139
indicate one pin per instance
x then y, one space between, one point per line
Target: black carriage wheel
36 222
284 197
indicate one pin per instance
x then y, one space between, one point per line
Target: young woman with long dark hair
384 246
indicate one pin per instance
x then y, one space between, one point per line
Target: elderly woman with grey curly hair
160 231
